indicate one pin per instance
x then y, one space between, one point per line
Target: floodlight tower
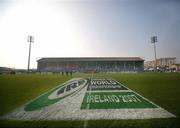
153 41
30 40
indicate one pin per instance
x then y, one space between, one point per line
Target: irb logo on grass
67 89
89 98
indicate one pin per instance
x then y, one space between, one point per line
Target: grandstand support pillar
134 66
124 66
96 65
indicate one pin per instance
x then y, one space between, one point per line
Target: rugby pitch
89 99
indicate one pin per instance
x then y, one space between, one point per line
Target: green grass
163 89
15 90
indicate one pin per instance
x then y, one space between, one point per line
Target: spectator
67 73
71 72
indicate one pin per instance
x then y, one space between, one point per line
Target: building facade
161 62
91 64
175 67
166 62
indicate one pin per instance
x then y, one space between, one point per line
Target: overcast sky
93 28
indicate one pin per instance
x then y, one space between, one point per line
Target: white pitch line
88 91
88 105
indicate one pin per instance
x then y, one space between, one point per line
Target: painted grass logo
67 89
114 96
89 99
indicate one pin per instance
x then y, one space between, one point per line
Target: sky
87 28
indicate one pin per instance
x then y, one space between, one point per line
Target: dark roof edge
133 58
